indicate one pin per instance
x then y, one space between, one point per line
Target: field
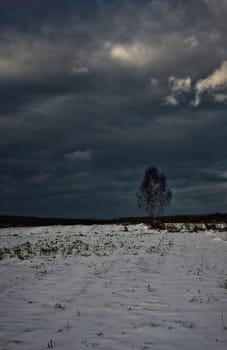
113 287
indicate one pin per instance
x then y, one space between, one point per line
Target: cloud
95 78
136 54
78 68
214 81
214 85
180 84
179 88
78 155
220 97
32 56
217 8
40 179
192 41
160 37
154 83
171 100
29 56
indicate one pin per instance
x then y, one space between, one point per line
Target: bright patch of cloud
28 56
171 101
180 85
214 81
16 64
215 85
79 156
135 54
33 57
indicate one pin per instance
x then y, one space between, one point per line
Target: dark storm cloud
29 15
94 92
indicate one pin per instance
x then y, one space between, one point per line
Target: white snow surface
102 287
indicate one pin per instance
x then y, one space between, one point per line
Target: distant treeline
26 221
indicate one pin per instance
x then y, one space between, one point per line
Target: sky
93 92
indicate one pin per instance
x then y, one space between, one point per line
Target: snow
111 288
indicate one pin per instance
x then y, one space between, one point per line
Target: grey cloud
180 85
104 44
79 155
171 100
86 106
213 85
218 11
40 179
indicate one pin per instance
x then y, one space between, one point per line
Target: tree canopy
154 193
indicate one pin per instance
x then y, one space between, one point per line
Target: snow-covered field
111 288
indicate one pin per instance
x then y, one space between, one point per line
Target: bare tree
154 194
